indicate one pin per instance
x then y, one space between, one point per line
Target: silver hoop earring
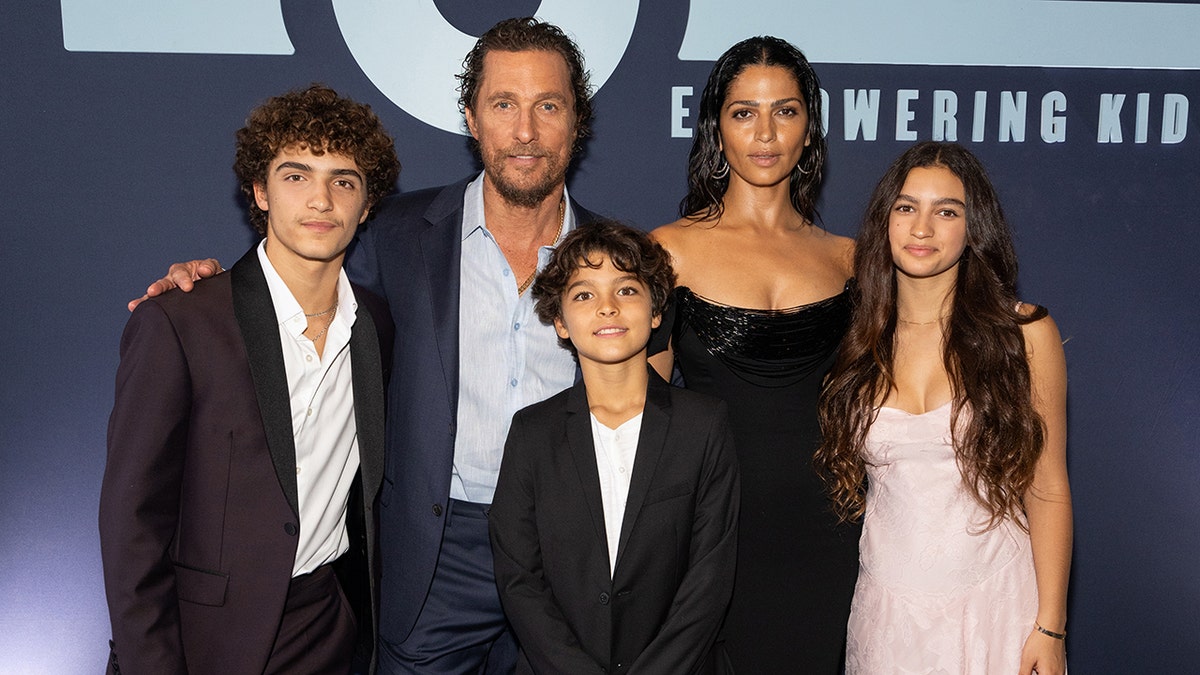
722 169
800 169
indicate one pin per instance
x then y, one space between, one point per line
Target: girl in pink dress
944 423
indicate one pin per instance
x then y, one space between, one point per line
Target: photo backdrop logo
1067 33
411 53
405 47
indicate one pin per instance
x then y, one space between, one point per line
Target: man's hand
182 276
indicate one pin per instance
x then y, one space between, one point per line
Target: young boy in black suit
614 524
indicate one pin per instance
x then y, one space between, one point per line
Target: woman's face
927 227
763 125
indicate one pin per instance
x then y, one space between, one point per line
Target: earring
722 169
800 169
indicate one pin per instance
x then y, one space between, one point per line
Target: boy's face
314 204
607 314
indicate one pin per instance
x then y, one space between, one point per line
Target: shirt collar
473 220
286 306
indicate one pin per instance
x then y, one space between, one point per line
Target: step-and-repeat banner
117 129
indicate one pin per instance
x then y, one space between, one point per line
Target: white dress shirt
615 452
322 397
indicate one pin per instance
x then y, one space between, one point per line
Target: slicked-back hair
997 433
319 120
630 250
704 200
522 35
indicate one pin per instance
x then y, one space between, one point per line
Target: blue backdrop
116 140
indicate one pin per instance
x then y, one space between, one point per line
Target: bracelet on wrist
1043 631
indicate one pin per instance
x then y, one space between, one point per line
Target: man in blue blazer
454 265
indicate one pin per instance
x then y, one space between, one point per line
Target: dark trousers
461 627
317 633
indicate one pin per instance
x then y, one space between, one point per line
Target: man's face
314 204
523 117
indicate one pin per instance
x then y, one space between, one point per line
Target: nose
922 226
319 198
526 128
764 129
607 306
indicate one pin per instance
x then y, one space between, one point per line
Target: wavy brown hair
318 119
525 34
630 250
704 200
1001 435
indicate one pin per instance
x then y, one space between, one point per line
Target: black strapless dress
796 566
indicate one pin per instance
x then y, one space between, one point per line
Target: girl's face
927 228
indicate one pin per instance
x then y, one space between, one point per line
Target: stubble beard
544 182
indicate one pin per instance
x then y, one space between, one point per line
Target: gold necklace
562 217
920 323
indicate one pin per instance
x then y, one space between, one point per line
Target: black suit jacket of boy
660 610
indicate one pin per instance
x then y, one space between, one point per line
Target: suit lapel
583 452
255 315
656 417
367 375
441 251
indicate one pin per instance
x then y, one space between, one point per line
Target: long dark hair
703 200
984 355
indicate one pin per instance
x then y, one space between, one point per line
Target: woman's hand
1043 655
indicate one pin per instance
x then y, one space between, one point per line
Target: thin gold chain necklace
562 217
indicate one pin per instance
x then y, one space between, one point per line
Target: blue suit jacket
410 254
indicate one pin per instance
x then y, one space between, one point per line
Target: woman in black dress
761 305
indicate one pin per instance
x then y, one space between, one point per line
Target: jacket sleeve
139 497
546 639
690 629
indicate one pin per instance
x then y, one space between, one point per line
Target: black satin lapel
583 452
441 252
255 315
656 418
367 373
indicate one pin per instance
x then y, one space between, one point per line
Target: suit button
290 528
604 598
437 510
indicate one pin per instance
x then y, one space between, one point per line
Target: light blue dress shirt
507 358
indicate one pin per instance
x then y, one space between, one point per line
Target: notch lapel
441 258
656 418
583 453
255 314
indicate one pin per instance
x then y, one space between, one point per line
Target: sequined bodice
765 346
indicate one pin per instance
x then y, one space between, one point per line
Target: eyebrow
937 202
541 96
300 166
620 279
774 103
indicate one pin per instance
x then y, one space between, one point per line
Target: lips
609 331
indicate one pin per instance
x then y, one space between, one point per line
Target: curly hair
528 34
1001 435
704 200
630 251
319 120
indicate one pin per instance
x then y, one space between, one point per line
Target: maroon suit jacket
198 509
